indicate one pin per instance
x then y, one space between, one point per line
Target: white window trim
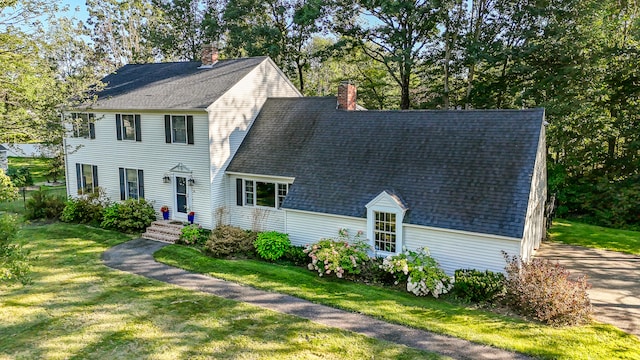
186 131
374 206
83 183
126 184
135 135
277 205
75 129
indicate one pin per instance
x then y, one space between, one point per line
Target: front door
182 198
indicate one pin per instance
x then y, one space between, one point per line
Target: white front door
182 198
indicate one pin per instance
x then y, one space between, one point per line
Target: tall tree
278 28
119 31
179 30
400 31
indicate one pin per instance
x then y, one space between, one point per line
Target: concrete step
164 230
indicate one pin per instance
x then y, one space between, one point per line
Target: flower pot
165 215
190 217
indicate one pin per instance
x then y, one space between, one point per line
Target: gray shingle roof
463 170
177 85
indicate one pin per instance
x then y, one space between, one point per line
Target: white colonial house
234 141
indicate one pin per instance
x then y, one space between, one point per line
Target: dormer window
385 214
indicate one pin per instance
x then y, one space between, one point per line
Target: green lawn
78 308
599 341
37 166
575 233
17 206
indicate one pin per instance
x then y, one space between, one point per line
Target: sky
79 5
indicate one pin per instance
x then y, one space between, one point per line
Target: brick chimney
347 95
209 55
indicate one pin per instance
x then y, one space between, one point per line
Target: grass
597 340
574 233
78 308
37 166
17 206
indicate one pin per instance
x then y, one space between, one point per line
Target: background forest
576 58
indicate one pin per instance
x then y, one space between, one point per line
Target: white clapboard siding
534 227
231 116
306 228
459 250
153 155
257 218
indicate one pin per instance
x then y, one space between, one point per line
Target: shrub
14 258
371 272
341 256
42 205
87 209
478 286
272 245
192 235
543 290
130 216
420 271
228 240
296 256
20 176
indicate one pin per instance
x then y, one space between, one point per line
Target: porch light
191 181
166 178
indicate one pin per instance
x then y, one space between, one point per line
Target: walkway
615 280
136 257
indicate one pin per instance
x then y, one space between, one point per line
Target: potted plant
165 212
191 215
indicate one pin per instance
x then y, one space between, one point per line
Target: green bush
296 256
272 245
226 241
130 216
420 271
478 286
42 205
192 234
543 290
341 256
14 259
20 176
87 209
371 272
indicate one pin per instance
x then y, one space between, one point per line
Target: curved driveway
615 280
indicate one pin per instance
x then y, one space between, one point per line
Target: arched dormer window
385 214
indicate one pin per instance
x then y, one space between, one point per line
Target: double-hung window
131 184
128 127
86 178
385 231
261 193
178 129
83 125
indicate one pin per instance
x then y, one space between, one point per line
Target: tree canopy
576 58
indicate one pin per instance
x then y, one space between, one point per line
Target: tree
14 260
332 64
179 30
120 31
29 90
280 29
395 33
